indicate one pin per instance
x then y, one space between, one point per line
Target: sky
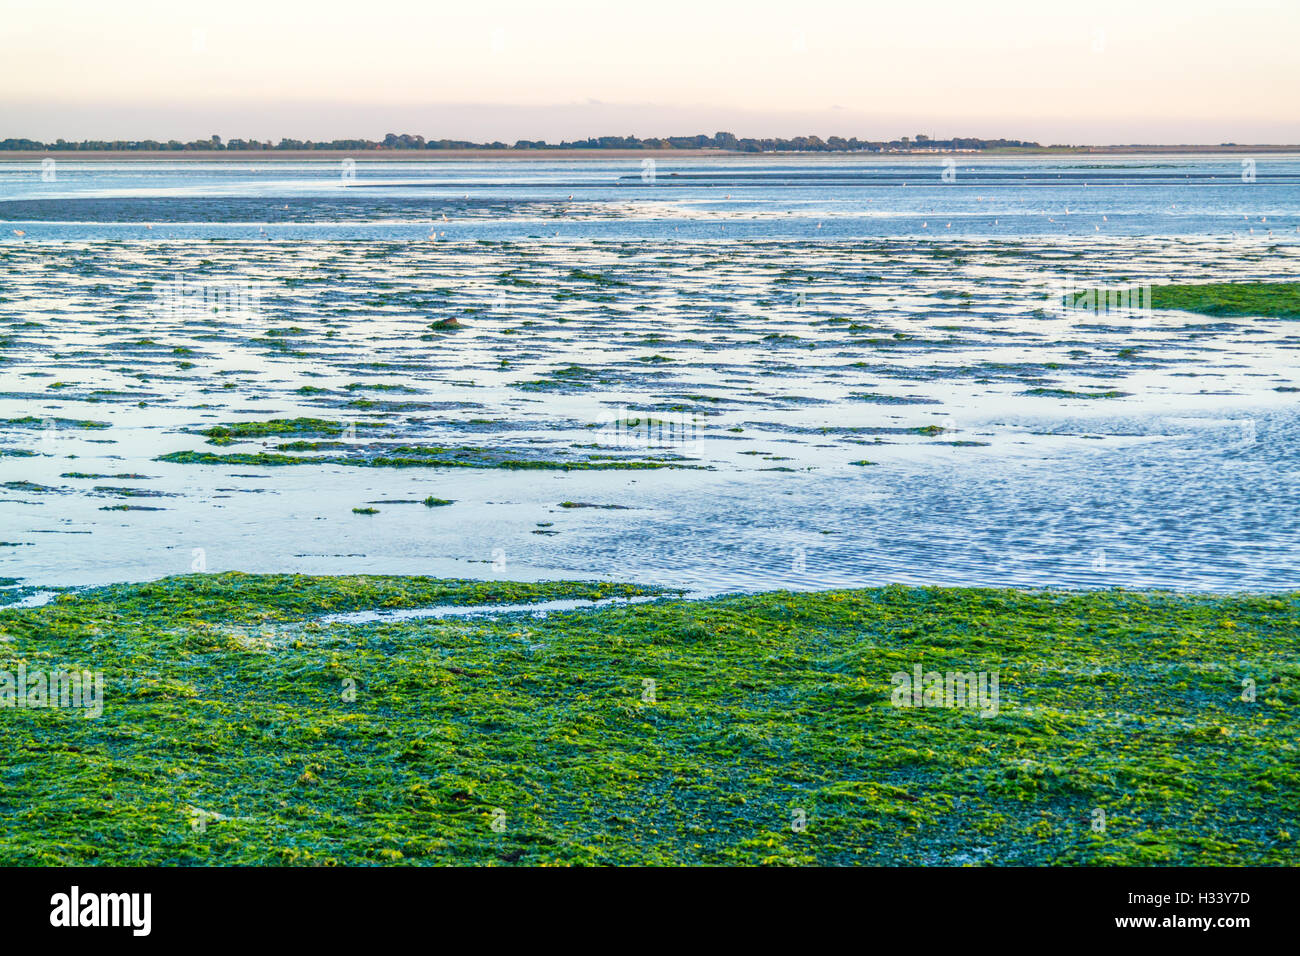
1103 71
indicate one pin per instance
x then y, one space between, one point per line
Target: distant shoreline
544 155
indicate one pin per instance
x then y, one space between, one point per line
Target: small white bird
19 232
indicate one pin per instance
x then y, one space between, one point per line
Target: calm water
788 320
691 199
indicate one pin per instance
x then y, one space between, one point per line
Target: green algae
30 486
674 732
1071 393
1270 299
415 457
125 492
594 277
877 398
277 426
31 421
1223 299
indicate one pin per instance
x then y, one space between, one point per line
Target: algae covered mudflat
1275 300
268 388
243 723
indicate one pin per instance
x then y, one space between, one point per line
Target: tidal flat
728 395
244 724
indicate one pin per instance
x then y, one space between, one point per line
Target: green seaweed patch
1071 393
235 431
877 398
581 275
568 378
31 421
1279 300
378 387
31 487
301 445
127 492
664 733
419 457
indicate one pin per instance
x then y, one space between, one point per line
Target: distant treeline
721 141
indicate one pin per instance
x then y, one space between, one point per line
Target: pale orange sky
1104 71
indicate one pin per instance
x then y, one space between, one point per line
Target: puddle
538 609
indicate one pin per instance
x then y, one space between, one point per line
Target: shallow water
793 198
774 355
536 609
